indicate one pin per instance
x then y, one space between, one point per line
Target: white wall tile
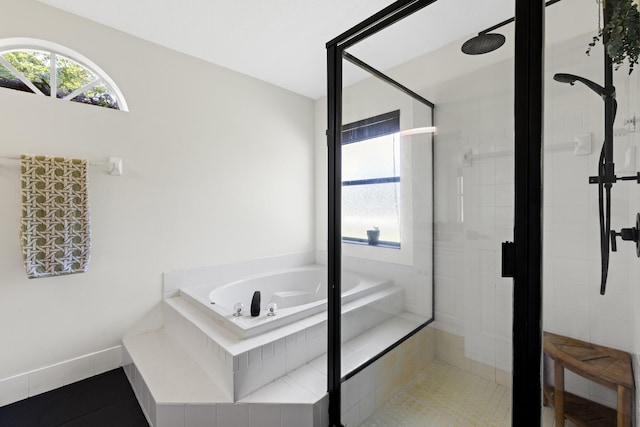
14 389
571 247
367 405
127 365
611 332
247 381
152 416
255 356
242 361
45 379
200 415
311 379
264 415
168 415
290 341
603 395
172 281
321 412
268 351
233 415
297 415
296 357
350 417
279 346
108 360
138 382
77 369
273 368
145 399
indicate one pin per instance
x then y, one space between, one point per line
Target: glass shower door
431 175
387 206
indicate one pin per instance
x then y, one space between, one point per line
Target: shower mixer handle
636 178
630 234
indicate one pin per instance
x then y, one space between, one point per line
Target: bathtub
298 292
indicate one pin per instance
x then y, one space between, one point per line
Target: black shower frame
528 123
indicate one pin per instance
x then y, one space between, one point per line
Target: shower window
371 181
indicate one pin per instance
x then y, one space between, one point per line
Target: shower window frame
528 169
383 125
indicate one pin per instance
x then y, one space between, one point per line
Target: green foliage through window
71 76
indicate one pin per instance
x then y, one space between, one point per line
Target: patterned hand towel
55 216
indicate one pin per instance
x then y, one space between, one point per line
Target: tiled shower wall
474 210
632 111
572 302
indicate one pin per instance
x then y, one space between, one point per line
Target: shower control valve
630 234
596 179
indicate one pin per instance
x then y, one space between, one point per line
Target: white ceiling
283 41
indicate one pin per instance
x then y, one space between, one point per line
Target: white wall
218 167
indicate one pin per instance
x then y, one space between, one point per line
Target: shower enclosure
426 171
439 148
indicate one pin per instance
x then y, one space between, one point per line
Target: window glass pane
34 64
372 158
373 205
71 75
98 95
10 81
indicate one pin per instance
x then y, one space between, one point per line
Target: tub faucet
255 304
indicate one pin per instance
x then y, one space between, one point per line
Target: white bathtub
299 292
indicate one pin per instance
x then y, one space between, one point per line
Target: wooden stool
603 365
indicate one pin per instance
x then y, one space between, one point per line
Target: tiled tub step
174 391
243 366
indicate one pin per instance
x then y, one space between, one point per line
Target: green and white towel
55 216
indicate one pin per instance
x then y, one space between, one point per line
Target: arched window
48 69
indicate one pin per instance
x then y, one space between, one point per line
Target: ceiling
283 41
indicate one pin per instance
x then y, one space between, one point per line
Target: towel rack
113 164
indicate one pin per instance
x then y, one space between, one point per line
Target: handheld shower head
606 174
572 78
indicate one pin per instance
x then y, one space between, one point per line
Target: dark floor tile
108 395
125 413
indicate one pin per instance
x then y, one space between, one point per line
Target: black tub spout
255 304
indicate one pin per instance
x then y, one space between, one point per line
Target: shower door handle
508 259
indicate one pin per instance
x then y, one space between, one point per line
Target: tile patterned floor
443 395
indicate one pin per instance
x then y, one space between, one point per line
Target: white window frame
54 49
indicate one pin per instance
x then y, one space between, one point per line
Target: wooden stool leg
559 393
624 407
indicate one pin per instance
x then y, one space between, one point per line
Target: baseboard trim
32 383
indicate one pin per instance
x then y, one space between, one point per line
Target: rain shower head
486 41
483 43
571 79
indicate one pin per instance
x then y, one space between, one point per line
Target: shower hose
604 208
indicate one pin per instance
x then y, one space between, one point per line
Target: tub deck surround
174 390
245 365
173 281
277 377
169 372
299 292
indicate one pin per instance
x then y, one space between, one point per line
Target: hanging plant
622 32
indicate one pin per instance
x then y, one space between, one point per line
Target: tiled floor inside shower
444 395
